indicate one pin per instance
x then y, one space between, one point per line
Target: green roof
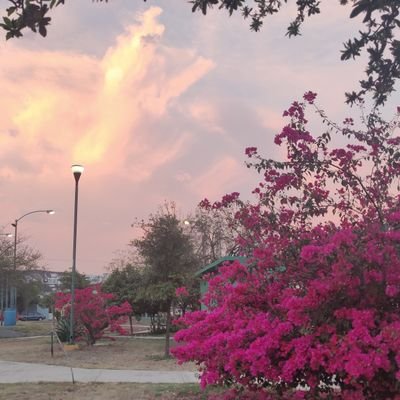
214 265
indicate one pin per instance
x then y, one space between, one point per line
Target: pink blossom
392 290
251 151
181 292
310 97
317 301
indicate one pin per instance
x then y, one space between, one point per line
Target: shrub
330 319
93 312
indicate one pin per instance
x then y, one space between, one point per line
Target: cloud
225 175
207 115
271 119
150 117
115 113
60 107
183 176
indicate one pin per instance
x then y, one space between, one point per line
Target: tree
131 281
93 312
29 292
170 262
125 283
329 317
213 232
27 260
81 281
378 39
188 297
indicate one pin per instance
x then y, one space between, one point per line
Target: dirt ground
101 391
121 353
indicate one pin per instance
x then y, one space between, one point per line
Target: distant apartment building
52 280
96 279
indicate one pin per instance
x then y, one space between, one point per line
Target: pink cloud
76 108
206 114
225 175
61 107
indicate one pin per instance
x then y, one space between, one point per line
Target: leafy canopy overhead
379 38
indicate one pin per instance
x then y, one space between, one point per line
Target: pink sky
157 104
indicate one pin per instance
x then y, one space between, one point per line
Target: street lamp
13 290
77 172
15 225
2 297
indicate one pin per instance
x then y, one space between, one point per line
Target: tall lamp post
2 293
13 290
77 172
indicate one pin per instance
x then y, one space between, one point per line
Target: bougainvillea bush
93 312
315 313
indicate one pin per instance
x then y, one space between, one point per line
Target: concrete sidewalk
16 372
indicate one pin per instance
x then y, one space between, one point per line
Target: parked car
32 316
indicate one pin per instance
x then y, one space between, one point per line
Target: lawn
120 353
102 391
26 328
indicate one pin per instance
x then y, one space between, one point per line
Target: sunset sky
158 104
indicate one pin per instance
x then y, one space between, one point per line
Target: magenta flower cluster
315 313
94 312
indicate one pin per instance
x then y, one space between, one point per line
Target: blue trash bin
10 317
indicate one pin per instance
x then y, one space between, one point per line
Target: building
213 268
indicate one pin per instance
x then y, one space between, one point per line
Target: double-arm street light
77 172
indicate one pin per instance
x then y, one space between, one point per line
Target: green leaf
42 30
11 10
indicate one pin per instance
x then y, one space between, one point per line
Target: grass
103 391
29 328
120 353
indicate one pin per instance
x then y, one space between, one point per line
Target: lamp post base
70 347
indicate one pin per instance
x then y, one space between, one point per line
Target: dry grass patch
29 328
121 353
101 391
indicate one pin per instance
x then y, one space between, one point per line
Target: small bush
63 330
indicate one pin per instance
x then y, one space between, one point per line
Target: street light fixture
77 171
6 234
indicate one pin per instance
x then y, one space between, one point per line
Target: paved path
16 372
